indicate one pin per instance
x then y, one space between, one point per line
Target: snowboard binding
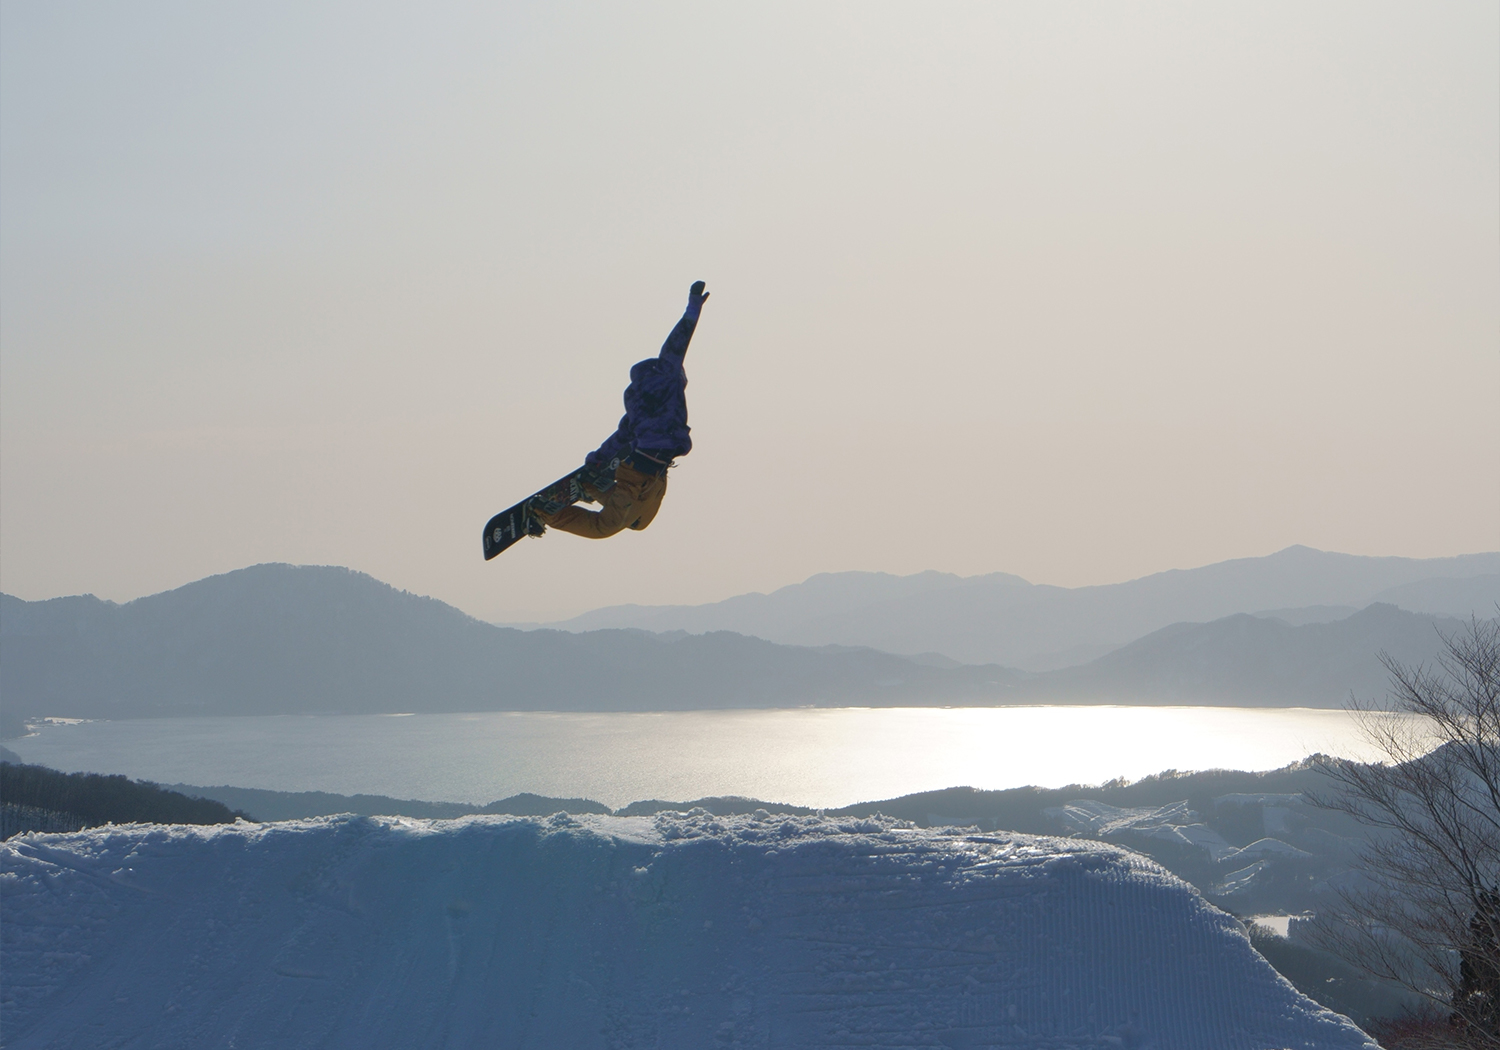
584 485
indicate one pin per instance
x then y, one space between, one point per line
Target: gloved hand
696 298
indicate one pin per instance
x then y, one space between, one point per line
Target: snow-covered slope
682 930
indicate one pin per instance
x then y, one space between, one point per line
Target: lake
810 757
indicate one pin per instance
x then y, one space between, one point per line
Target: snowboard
511 525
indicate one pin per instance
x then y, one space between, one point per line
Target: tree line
47 798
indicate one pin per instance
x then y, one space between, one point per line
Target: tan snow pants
631 504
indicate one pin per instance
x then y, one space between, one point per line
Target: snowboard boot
534 525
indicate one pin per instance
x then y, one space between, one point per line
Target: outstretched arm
677 343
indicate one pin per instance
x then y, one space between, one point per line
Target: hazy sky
1076 291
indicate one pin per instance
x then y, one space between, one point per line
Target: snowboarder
651 435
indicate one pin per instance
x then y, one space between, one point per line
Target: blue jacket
655 419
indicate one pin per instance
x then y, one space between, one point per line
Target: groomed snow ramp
678 931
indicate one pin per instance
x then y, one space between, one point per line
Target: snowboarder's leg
650 501
630 504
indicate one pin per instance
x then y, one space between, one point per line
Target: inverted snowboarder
627 475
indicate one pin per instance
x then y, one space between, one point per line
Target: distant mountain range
285 639
1248 660
1003 619
278 639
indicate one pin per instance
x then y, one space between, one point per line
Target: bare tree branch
1424 910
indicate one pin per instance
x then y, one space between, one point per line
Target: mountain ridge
280 639
275 639
1002 618
1239 658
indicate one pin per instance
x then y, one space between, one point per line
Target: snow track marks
683 930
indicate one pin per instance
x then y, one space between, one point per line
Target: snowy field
683 930
818 758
